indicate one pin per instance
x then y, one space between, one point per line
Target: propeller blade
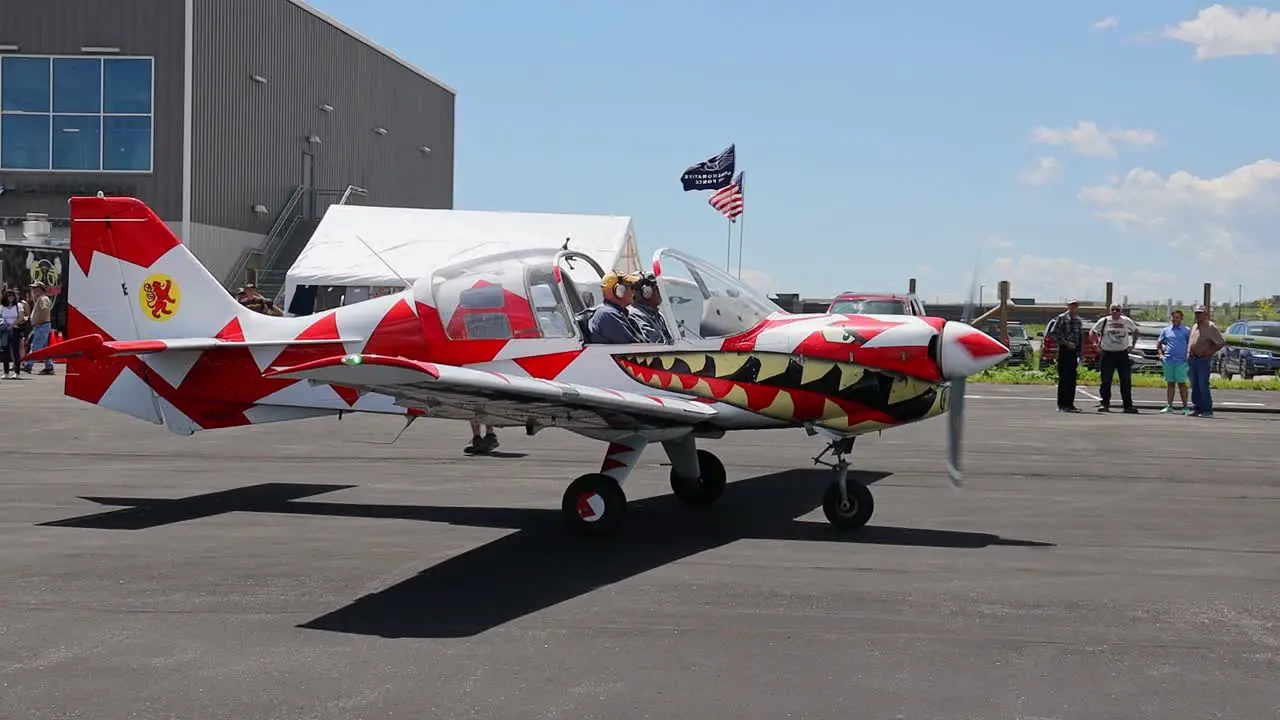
955 431
955 413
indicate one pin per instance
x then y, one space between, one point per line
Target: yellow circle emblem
159 297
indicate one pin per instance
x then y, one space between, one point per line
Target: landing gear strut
705 489
847 505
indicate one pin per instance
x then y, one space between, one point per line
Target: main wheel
852 515
701 491
594 505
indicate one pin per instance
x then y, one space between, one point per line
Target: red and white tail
131 279
151 334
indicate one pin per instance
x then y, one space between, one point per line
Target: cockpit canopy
539 293
505 296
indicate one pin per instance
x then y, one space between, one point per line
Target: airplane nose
965 350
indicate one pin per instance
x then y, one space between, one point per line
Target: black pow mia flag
711 174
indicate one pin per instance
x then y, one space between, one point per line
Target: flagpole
742 220
728 249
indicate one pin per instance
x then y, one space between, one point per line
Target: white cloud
1046 170
1219 31
1086 138
999 241
1221 229
1055 279
1106 23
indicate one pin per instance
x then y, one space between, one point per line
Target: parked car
853 303
1248 362
1049 347
1145 356
1020 350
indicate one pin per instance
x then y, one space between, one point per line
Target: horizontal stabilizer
93 346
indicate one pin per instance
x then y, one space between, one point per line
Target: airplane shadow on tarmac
540 565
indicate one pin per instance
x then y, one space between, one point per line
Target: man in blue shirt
610 323
1172 347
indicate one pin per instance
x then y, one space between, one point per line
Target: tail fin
131 279
134 289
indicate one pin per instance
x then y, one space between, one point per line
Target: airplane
502 339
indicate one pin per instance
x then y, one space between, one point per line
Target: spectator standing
41 314
1067 332
1203 343
1172 348
1119 335
10 334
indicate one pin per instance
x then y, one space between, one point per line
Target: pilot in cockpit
644 311
610 322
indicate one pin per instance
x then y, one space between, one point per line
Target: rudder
131 278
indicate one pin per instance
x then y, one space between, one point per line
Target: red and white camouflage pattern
153 335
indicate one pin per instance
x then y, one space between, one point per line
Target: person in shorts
1172 347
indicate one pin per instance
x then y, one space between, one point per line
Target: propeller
955 413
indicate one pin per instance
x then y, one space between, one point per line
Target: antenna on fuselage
408 285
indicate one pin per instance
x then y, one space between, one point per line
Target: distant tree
1265 310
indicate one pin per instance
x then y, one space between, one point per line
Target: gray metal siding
249 137
137 27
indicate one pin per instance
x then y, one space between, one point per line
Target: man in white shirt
1119 336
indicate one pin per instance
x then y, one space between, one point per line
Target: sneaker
1104 408
476 444
490 442
1166 409
1186 410
46 371
1131 410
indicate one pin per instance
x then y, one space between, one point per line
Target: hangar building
237 121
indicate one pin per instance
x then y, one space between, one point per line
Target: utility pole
1239 300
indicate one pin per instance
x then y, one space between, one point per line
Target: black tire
854 517
587 516
705 490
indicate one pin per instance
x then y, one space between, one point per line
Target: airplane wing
451 391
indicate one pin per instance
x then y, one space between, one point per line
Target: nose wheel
847 505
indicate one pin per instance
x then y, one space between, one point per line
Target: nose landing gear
847 505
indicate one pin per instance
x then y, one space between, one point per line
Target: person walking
11 335
1203 343
1067 331
1172 349
1119 335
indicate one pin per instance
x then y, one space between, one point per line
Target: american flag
728 201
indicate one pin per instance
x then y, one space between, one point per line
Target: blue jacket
611 324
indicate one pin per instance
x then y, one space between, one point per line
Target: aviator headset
647 286
620 289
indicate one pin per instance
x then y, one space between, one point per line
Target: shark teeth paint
830 393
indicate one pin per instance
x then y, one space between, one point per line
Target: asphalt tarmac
1093 566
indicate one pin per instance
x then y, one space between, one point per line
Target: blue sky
880 141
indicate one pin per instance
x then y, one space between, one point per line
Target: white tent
416 241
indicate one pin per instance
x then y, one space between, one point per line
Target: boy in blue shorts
1172 347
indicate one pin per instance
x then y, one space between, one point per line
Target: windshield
869 307
1271 331
1017 331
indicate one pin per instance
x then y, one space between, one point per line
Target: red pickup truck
1049 347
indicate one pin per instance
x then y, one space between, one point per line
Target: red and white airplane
500 340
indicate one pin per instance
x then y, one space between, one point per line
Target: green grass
1022 375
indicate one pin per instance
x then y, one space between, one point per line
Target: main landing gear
595 504
847 505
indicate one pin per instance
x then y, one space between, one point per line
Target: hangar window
76 113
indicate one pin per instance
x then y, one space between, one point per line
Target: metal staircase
269 250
